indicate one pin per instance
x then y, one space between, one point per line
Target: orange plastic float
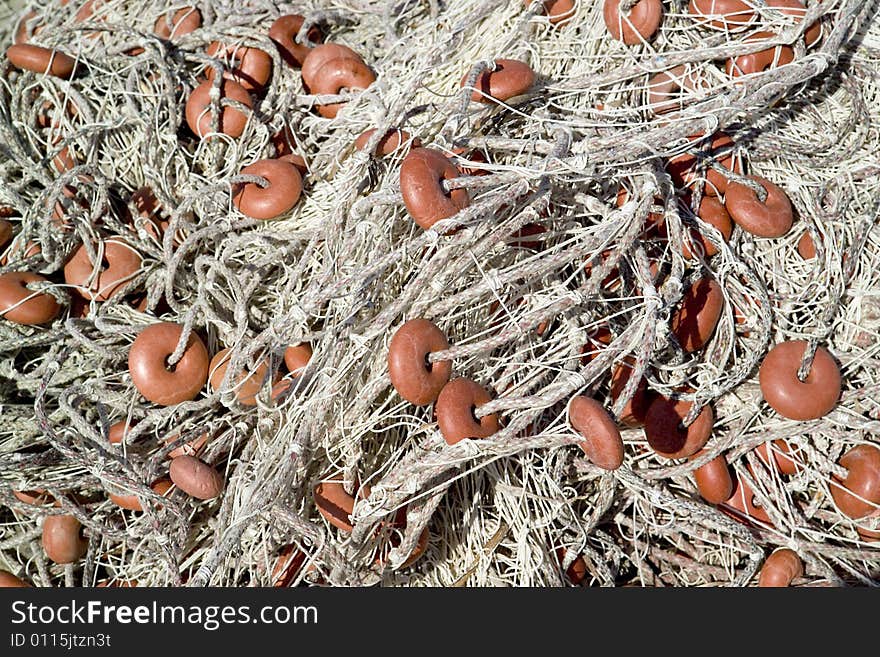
507 79
696 318
810 399
421 175
413 377
249 67
639 24
455 411
184 21
283 32
558 12
119 264
604 446
781 569
232 121
668 437
278 197
713 479
37 59
149 369
771 217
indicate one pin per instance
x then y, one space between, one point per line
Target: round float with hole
20 304
712 212
636 409
421 175
413 376
388 143
246 384
37 59
322 54
635 26
195 477
149 370
771 217
119 264
694 322
685 169
713 479
199 115
281 193
335 504
283 33
668 436
723 14
184 21
557 11
507 79
336 75
810 399
858 494
763 60
455 411
250 67
131 502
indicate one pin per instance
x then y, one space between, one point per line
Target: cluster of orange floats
753 203
637 21
166 385
326 69
104 270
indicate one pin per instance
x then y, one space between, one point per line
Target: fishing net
562 277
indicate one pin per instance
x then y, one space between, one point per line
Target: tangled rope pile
573 265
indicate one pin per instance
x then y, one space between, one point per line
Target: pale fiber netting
348 265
